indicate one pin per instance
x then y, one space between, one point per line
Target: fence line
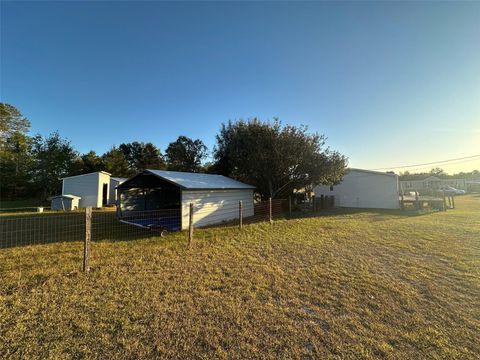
85 227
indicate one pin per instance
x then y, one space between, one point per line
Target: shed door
105 194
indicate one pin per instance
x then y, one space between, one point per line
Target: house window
331 187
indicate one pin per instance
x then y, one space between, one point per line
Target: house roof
198 181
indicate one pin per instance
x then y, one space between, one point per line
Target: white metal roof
68 196
118 179
371 172
188 180
95 172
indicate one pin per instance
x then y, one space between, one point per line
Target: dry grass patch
354 285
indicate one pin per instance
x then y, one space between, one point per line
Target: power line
430 163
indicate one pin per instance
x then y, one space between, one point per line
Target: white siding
112 197
363 189
64 203
103 179
89 187
215 206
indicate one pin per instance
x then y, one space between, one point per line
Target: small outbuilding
92 188
65 202
215 198
364 189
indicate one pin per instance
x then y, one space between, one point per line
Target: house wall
88 187
433 183
215 206
360 189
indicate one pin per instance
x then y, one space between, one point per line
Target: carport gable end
215 197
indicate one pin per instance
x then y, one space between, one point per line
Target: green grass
347 285
11 204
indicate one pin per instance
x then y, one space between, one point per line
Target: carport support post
88 238
270 209
240 213
190 225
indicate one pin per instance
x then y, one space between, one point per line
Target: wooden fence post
322 201
314 203
88 238
444 201
240 213
332 202
190 225
289 206
453 201
270 209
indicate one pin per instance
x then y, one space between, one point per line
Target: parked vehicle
449 190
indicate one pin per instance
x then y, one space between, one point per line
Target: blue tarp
171 223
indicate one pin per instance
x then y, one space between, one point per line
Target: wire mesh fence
33 229
70 230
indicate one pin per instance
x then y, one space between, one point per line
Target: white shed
92 188
364 189
215 197
65 202
114 182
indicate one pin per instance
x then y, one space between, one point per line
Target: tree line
276 159
440 173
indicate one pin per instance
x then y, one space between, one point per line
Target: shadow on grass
381 214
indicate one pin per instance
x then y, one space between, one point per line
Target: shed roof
371 172
198 181
118 179
68 196
95 172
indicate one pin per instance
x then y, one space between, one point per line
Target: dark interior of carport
146 192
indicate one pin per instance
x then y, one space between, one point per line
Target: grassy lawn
344 285
7 204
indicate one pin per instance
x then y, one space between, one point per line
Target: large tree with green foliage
141 156
15 154
185 154
54 159
116 163
276 159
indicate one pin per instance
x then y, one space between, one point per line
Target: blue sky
388 83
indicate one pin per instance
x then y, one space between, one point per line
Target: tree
437 172
141 156
15 154
115 162
276 159
185 154
91 162
12 122
54 159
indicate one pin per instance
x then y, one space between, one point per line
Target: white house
364 189
215 198
433 182
92 188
